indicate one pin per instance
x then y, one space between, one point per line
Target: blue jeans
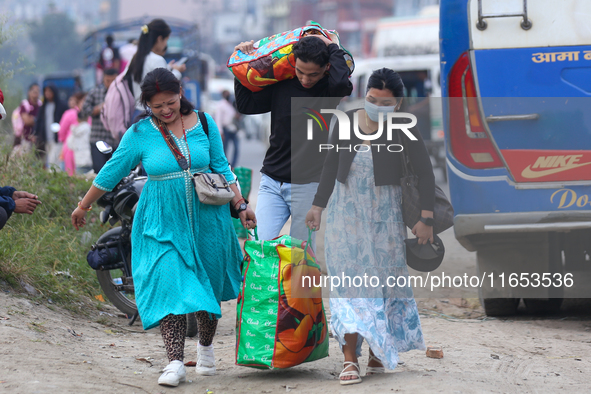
231 137
277 201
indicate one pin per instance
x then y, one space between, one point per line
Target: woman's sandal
374 370
353 372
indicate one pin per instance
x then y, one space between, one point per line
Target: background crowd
63 134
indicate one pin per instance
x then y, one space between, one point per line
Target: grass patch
103 320
37 327
13 312
44 250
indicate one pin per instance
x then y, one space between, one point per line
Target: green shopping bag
244 176
279 323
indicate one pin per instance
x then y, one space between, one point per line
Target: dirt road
45 350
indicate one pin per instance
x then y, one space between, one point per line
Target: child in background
79 143
69 119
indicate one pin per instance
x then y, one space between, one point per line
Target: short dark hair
386 78
109 40
311 49
162 80
110 72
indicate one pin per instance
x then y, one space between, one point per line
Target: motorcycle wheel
123 301
126 302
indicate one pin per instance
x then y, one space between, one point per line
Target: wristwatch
242 207
427 221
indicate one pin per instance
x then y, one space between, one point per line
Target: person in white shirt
225 115
151 48
79 143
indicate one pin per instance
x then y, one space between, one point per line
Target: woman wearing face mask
365 233
152 46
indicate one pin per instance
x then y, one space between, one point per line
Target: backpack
2 109
18 124
204 122
119 106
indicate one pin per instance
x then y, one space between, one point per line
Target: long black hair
386 78
156 28
162 80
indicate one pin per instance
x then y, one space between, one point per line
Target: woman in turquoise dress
365 233
185 254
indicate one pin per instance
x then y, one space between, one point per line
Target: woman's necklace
172 145
185 135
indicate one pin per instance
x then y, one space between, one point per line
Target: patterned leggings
174 329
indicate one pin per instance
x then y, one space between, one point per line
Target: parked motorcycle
115 275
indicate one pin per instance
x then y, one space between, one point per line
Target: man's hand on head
246 47
327 41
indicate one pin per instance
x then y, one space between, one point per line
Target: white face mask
373 111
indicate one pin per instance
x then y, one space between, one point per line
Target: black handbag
443 212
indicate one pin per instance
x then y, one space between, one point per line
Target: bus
516 81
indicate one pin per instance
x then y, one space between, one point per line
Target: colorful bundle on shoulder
280 316
273 61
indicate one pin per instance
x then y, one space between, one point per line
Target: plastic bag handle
255 235
308 244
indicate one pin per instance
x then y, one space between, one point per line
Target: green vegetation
57 45
12 63
43 250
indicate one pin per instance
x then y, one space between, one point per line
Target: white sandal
374 370
354 373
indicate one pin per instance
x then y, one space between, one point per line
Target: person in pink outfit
69 119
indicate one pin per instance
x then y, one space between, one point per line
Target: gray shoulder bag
211 188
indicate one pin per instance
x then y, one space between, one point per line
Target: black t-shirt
295 160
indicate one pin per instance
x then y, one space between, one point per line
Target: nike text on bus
553 165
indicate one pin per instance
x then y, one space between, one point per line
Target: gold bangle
88 209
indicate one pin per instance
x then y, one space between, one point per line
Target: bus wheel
552 301
537 306
499 306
